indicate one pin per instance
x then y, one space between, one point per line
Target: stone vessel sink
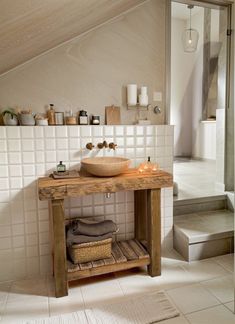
105 166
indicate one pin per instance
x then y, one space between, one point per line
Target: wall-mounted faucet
112 146
90 146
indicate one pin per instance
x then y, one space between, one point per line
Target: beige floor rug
147 309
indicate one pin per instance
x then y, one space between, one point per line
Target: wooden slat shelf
125 255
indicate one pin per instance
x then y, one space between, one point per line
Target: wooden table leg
140 214
154 231
59 260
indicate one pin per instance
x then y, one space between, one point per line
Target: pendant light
190 36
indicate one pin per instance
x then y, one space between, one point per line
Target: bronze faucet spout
102 145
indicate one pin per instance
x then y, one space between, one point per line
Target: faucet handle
112 146
89 146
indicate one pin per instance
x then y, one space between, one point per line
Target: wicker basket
92 251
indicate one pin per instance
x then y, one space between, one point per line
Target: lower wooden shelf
125 255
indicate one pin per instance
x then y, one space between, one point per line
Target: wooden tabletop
49 188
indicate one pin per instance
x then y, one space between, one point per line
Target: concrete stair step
195 205
204 234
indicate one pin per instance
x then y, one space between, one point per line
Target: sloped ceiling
30 27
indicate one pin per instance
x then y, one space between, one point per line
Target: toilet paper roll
132 94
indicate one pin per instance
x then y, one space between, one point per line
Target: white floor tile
28 299
28 290
136 282
222 288
171 258
216 315
226 261
105 289
195 178
173 277
71 303
192 298
4 290
204 270
20 310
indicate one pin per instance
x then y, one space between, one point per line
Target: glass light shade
190 39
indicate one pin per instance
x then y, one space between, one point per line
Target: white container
143 91
143 100
10 120
26 119
132 94
42 122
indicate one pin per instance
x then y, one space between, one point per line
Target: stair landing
204 234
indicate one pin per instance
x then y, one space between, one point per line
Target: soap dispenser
61 167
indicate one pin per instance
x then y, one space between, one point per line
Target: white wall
91 71
181 70
197 138
27 153
191 136
186 86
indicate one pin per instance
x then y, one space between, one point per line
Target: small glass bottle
95 120
51 115
61 167
83 118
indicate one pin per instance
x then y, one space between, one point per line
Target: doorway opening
200 100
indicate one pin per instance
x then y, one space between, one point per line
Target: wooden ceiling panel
31 27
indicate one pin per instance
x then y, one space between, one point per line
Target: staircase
203 227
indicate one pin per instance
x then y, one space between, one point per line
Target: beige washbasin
105 166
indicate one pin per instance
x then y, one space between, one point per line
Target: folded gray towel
92 229
78 239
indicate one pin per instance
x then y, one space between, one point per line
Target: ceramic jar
26 119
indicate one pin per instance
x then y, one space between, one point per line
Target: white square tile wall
29 152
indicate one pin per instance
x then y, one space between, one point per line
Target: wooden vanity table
125 254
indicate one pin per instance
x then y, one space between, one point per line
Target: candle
132 94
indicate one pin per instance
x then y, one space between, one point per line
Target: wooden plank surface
107 269
120 262
154 231
49 188
117 253
59 260
112 115
98 263
127 251
85 266
140 206
138 249
109 261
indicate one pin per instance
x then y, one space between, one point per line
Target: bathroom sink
105 166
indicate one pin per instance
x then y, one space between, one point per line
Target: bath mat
148 309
